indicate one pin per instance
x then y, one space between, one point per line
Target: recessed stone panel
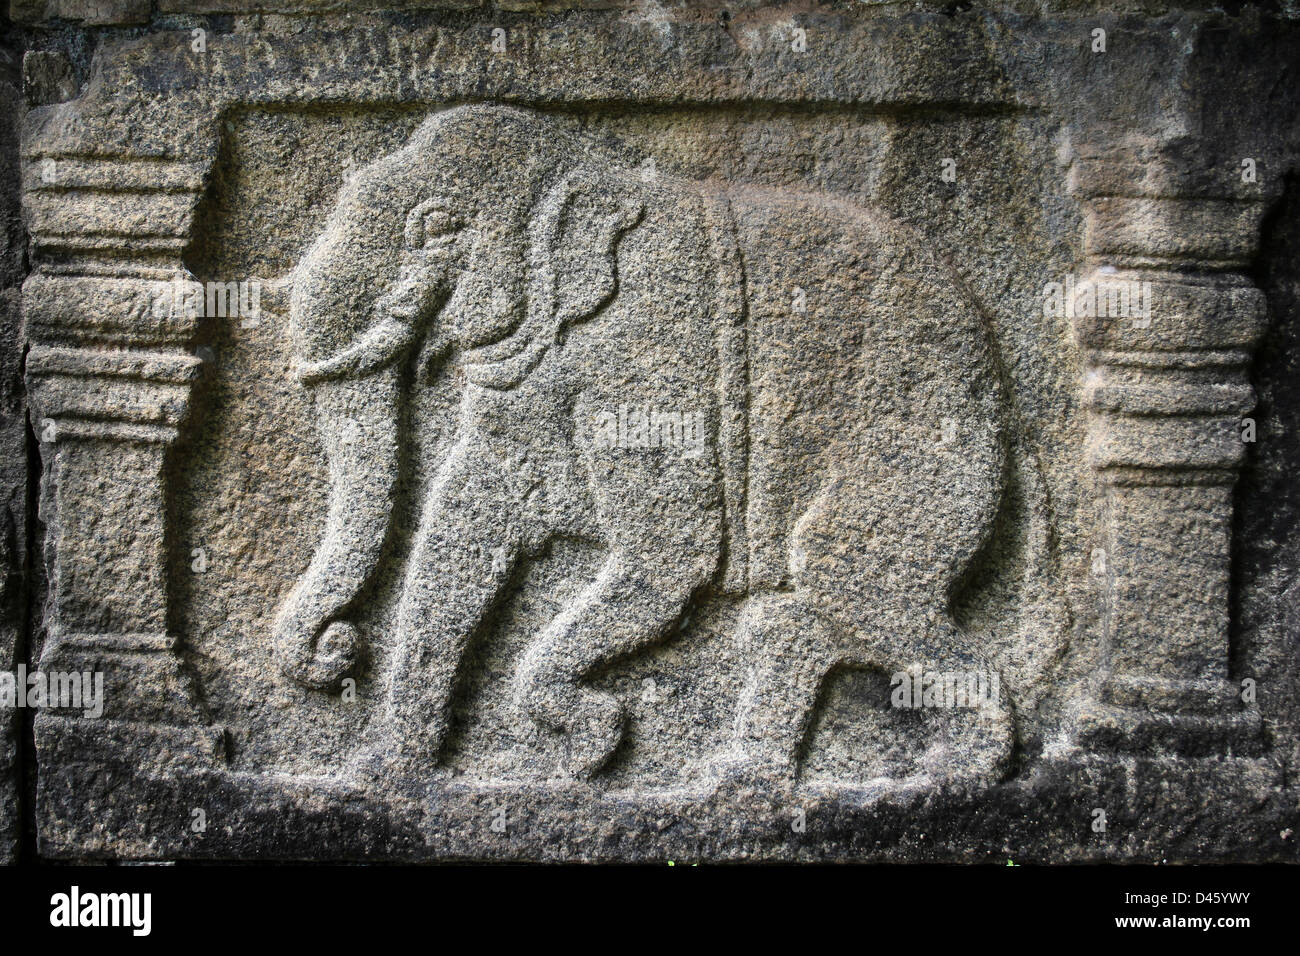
604 432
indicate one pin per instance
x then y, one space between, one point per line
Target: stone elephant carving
777 395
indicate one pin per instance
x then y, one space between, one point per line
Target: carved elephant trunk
358 421
349 341
355 395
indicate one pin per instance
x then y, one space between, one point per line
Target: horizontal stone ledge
1171 399
1133 177
137 11
1175 264
1136 312
1176 696
99 214
111 174
1121 476
144 642
1192 229
85 429
106 307
300 817
109 400
1173 359
157 747
840 59
48 245
170 368
1111 729
1160 442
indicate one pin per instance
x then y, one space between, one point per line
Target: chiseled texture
593 419
14 468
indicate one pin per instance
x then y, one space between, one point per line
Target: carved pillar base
1167 686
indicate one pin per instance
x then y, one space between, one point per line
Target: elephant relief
777 395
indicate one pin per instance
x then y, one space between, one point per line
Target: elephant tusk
384 342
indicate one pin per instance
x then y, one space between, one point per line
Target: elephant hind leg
791 649
794 649
627 607
878 553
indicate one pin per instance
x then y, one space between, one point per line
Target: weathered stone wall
13 431
594 418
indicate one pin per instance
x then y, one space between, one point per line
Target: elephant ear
575 238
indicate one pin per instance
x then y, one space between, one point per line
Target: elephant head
487 232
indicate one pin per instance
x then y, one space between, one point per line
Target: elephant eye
439 222
430 222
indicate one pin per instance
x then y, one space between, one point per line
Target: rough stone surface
13 435
593 418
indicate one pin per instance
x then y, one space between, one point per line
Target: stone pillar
109 375
1166 392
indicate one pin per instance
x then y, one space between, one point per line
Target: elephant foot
323 667
975 752
592 721
383 765
747 777
594 733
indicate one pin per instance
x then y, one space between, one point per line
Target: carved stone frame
108 368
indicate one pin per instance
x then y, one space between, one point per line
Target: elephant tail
358 424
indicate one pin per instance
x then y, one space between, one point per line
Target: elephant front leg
627 607
464 553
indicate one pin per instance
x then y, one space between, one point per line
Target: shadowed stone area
633 431
14 465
